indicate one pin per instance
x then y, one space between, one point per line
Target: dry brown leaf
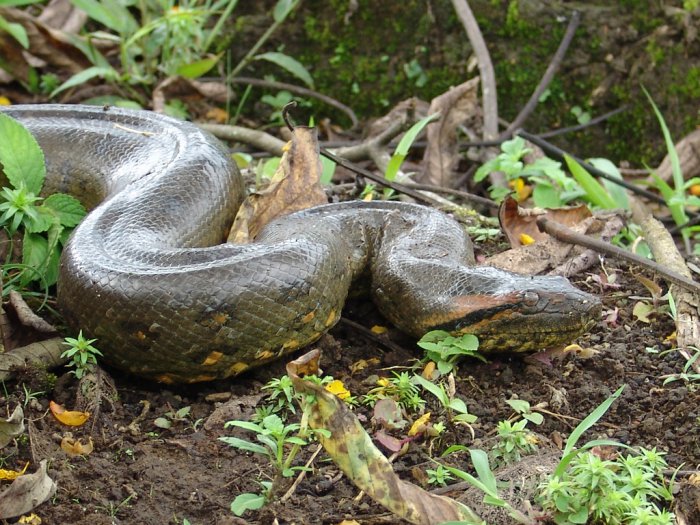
11 427
545 252
688 150
63 15
456 107
353 451
26 493
295 186
74 447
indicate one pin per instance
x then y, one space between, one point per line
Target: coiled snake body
146 273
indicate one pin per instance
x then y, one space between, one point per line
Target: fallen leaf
360 365
653 288
32 519
68 417
337 388
389 442
26 493
419 425
294 186
387 414
379 330
74 447
642 311
11 427
352 449
429 372
9 475
456 106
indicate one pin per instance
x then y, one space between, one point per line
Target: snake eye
530 298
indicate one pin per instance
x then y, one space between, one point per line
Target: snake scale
147 274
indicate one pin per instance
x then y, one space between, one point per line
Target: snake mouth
528 321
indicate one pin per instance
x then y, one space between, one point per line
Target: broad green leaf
112 100
404 146
594 191
480 460
41 220
35 251
485 169
20 156
244 445
670 146
617 192
247 501
68 209
198 68
328 170
430 387
112 14
107 73
248 425
16 31
14 3
283 8
290 64
546 196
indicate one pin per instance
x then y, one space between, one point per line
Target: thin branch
546 79
299 90
254 137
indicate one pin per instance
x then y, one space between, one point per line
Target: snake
148 275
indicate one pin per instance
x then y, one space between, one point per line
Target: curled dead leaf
74 447
10 475
26 493
68 417
11 427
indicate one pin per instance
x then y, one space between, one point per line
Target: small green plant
172 417
514 442
400 388
689 376
445 350
281 392
439 476
456 408
524 409
46 222
30 395
82 355
274 437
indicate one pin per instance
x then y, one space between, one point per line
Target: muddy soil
141 474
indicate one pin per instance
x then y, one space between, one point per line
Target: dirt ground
141 474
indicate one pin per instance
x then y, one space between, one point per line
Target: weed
281 391
174 416
445 349
29 395
514 442
400 388
81 353
688 375
47 224
456 408
439 476
524 409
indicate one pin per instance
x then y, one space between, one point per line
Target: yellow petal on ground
12 474
68 417
32 519
337 388
428 370
379 330
74 447
4 101
522 190
418 427
525 239
383 381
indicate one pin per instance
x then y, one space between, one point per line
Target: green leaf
41 220
13 3
670 146
486 168
290 64
244 445
107 73
247 501
20 156
17 31
162 422
404 146
198 68
579 517
35 252
111 14
430 387
112 100
248 425
617 192
546 196
594 191
282 9
480 460
68 209
328 170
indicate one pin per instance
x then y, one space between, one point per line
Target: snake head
524 314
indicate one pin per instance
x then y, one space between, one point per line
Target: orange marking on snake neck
212 358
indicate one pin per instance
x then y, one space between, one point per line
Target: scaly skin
145 273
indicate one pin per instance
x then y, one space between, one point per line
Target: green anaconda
146 273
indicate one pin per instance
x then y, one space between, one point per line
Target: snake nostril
531 298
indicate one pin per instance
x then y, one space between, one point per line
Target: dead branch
46 354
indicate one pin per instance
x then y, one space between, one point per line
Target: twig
579 127
546 79
486 72
299 90
254 137
379 179
457 193
562 233
301 475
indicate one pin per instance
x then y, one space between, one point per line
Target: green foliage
171 417
523 408
81 353
439 476
169 38
625 490
281 392
688 375
401 388
514 442
404 146
456 408
46 225
445 350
